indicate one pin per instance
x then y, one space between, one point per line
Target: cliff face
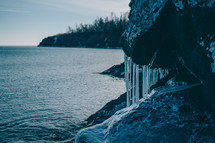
183 34
181 31
144 13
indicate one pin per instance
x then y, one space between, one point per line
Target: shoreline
112 48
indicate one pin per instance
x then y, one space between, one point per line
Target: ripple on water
47 93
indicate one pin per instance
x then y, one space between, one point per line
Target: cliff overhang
181 31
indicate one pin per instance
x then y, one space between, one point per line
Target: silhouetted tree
103 32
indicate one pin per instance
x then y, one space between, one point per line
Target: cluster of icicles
135 73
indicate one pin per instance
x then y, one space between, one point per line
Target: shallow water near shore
46 93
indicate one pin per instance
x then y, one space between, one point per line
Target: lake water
46 93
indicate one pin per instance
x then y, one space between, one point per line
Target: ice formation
134 72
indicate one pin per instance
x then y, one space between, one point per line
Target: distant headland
102 33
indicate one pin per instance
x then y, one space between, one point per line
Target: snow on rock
202 43
212 50
211 3
193 2
172 82
179 4
160 118
201 3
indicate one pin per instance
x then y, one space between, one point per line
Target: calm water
45 93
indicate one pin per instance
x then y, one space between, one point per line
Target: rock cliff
182 32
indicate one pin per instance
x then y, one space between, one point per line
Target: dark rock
172 117
107 111
181 31
116 71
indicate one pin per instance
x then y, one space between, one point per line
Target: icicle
166 72
160 73
137 97
125 67
148 80
130 76
133 89
128 81
126 62
153 58
144 82
155 77
151 77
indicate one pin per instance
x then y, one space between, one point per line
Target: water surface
45 93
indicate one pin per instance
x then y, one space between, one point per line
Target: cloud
14 10
48 17
79 7
84 7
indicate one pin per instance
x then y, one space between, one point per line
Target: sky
27 22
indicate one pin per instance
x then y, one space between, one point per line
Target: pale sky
27 22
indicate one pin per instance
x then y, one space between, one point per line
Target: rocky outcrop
181 108
116 71
172 113
144 13
181 31
171 117
107 111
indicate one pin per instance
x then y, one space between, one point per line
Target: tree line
102 33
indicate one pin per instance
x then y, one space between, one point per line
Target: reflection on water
45 93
